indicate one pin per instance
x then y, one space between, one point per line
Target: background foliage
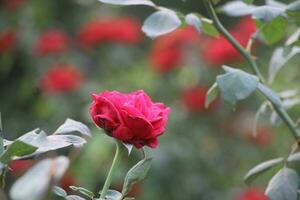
204 153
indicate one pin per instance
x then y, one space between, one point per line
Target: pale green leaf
128 2
59 191
194 21
283 186
35 183
261 168
236 84
161 22
137 173
71 125
211 95
83 191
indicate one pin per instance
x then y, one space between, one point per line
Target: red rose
7 40
168 50
252 194
132 118
194 99
123 30
52 42
218 51
12 5
61 78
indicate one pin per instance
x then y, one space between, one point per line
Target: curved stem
235 43
279 110
111 171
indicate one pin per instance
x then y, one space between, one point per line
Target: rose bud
252 194
61 78
132 118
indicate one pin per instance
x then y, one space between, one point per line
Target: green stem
287 120
111 171
231 39
279 110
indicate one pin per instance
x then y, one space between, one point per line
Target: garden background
54 54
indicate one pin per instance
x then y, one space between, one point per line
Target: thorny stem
246 54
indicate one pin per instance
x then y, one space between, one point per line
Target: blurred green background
204 154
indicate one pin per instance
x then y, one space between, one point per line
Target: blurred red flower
252 194
68 180
61 78
218 51
124 30
18 167
12 5
264 136
168 51
52 42
7 40
194 99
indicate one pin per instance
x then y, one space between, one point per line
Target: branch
279 110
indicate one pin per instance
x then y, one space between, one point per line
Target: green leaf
278 60
52 142
270 94
113 195
238 8
129 198
160 23
59 191
194 21
137 173
35 183
261 168
283 186
276 3
83 191
272 31
211 95
248 1
294 6
208 27
294 39
17 148
129 147
293 11
236 85
294 157
1 136
71 125
267 13
74 197
129 2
